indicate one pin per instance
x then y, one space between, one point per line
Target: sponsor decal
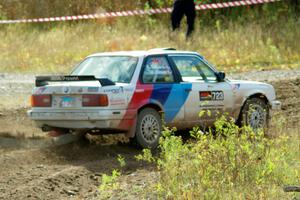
211 95
118 101
92 89
236 86
40 90
211 107
116 98
64 78
114 90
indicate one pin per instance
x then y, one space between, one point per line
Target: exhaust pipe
46 128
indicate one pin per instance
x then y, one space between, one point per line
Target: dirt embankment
35 170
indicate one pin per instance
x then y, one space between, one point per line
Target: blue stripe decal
176 100
161 92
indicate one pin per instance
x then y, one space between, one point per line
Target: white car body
180 102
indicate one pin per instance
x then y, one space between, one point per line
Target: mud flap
131 132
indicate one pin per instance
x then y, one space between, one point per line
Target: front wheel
148 130
255 114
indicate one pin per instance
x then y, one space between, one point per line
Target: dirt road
69 171
33 167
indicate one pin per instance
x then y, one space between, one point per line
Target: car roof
143 53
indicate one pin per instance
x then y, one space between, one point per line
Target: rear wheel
148 130
255 114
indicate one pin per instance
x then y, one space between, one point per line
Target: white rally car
133 92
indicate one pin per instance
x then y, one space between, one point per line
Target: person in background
181 8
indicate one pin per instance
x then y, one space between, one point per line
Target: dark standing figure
181 8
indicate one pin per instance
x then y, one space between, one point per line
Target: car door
167 91
208 98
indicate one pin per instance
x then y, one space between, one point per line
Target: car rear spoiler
44 80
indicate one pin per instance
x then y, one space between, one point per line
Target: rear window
116 68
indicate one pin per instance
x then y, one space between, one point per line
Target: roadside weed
121 161
227 163
109 183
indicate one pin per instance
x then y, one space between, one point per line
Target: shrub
229 163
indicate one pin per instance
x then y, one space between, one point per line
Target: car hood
248 84
247 88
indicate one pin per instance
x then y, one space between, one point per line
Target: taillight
94 100
41 100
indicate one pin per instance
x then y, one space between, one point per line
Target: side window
208 72
192 68
157 70
187 66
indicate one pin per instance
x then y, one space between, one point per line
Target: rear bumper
104 119
75 115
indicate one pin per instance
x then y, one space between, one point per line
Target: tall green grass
227 163
231 163
232 46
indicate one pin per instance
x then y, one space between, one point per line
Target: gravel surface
16 84
267 76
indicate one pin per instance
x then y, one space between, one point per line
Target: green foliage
121 161
110 181
230 163
146 156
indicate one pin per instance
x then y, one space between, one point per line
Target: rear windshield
116 68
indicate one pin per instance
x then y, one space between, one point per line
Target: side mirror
221 76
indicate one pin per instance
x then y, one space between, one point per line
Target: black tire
255 113
148 128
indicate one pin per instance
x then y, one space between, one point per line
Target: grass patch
231 46
232 163
229 163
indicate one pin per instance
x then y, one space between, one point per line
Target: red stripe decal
140 97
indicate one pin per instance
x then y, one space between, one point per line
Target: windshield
116 68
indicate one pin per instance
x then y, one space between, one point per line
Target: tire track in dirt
62 172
